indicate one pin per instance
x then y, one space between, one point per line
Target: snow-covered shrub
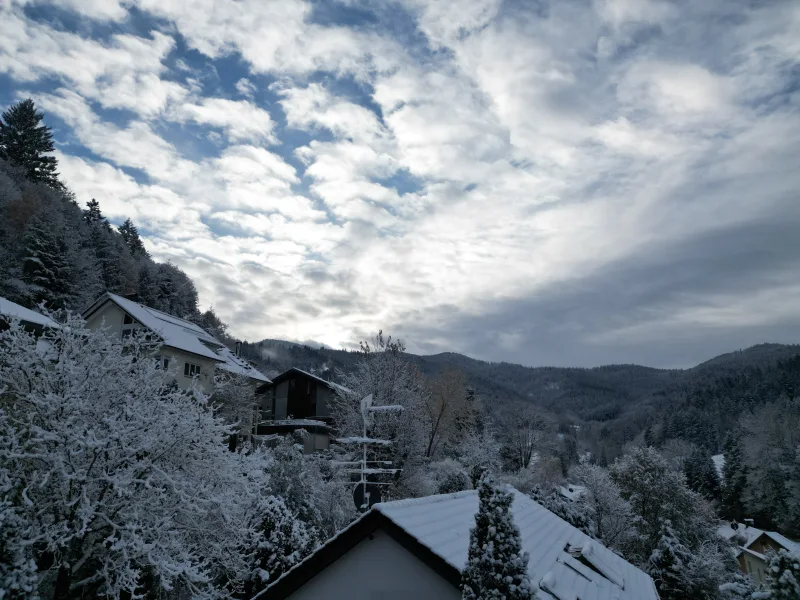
113 481
784 576
497 568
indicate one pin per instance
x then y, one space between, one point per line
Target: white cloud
241 120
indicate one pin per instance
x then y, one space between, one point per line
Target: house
753 547
417 548
30 319
294 400
187 350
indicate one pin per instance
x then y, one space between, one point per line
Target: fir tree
93 216
734 478
669 565
701 474
45 265
130 234
784 576
24 142
496 568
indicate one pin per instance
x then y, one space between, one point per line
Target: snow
330 384
14 310
443 523
719 463
571 491
363 440
298 423
185 335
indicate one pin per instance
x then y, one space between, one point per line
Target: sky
565 182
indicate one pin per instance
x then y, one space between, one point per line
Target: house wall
753 566
378 569
111 318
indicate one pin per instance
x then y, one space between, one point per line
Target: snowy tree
784 576
576 514
701 474
383 372
283 541
670 565
497 568
610 513
45 266
734 478
26 142
115 480
657 494
130 234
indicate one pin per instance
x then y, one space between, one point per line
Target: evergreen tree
669 565
784 576
93 216
497 568
649 439
45 265
24 141
701 474
130 234
734 478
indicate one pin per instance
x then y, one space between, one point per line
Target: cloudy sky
571 182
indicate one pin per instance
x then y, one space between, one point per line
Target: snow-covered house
417 548
187 350
753 545
294 400
30 319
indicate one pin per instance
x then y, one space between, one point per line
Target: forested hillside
57 252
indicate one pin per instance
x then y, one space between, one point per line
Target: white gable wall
111 318
378 569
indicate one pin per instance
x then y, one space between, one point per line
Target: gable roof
15 311
564 562
294 371
181 334
750 534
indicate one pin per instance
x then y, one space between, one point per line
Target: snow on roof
174 332
185 335
748 534
14 310
565 562
790 545
239 366
330 384
571 491
719 463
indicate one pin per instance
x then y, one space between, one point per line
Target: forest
116 484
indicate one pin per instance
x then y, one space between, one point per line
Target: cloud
553 182
241 120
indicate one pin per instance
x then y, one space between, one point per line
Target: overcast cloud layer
564 182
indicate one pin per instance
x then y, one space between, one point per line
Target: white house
417 548
753 547
187 350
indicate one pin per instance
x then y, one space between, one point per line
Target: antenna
367 493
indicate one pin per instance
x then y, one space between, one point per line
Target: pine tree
45 265
669 565
734 478
130 234
701 474
24 141
784 576
94 217
497 568
649 439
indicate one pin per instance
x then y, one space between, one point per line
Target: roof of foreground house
15 311
181 334
564 562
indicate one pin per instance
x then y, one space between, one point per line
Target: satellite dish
373 490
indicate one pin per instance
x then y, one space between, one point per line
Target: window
190 370
161 362
126 333
127 320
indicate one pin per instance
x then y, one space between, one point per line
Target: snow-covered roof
564 562
239 366
183 335
719 464
778 538
15 311
571 491
317 378
749 535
